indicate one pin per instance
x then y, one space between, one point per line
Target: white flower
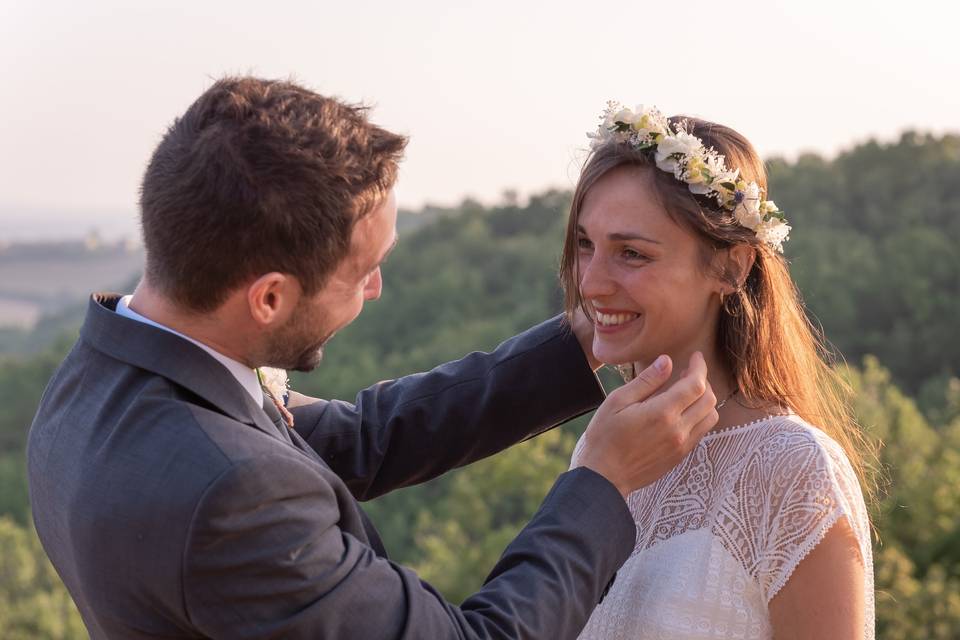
597 138
725 194
727 176
275 381
698 176
608 113
703 170
715 165
701 189
752 192
626 116
682 144
774 232
748 215
650 123
748 211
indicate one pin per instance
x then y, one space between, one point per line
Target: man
175 502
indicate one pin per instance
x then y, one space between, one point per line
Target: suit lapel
278 422
189 366
172 357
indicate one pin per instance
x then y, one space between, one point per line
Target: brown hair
258 176
774 352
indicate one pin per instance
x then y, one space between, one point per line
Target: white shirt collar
246 376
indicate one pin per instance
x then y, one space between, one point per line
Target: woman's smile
607 320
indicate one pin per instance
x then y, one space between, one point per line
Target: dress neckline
746 425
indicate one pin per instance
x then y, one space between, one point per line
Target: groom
176 501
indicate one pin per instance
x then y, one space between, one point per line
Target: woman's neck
735 409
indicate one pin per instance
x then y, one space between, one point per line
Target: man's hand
636 437
582 327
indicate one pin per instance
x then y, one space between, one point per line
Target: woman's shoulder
806 483
790 455
786 438
801 464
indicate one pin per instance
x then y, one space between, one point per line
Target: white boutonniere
275 384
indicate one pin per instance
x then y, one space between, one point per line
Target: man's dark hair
259 176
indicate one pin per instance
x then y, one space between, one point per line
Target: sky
494 95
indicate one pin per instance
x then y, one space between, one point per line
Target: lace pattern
720 535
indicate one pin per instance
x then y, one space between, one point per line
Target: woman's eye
634 256
583 243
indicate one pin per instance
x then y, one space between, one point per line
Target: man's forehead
372 240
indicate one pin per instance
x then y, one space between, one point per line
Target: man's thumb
646 383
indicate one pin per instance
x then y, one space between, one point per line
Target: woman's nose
595 278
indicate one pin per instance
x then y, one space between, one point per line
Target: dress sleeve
811 485
577 450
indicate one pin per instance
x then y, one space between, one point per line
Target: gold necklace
725 400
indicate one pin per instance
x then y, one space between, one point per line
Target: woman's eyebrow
631 236
620 237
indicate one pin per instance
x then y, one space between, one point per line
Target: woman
762 530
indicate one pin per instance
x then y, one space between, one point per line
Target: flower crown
681 153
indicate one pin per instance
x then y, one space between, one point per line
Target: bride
761 532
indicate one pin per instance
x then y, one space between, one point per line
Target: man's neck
208 329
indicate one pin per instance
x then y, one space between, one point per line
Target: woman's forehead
623 201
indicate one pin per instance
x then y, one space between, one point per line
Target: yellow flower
695 168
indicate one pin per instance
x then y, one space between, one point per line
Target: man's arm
415 428
265 558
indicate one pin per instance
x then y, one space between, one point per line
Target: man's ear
272 298
738 262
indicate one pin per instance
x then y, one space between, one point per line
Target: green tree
917 558
874 250
34 605
461 535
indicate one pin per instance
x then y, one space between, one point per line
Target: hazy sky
494 95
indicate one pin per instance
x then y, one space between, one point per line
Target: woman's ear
742 257
738 261
272 298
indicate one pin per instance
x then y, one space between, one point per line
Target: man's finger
645 384
699 410
582 328
690 387
703 427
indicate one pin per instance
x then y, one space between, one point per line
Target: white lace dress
719 535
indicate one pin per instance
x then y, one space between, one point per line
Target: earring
728 302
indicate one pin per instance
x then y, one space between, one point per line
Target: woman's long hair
776 355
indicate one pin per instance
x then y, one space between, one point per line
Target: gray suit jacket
173 507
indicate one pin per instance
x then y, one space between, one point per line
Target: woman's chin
615 356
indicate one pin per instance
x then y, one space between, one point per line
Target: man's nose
374 286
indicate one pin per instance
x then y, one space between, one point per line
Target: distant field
46 280
15 313
42 280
